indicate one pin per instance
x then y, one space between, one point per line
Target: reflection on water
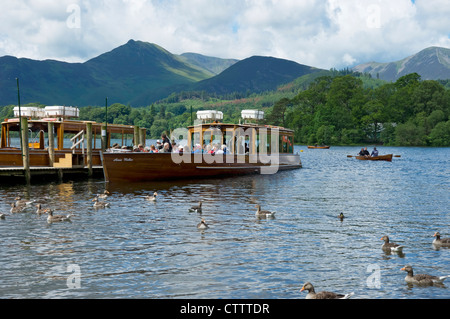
142 249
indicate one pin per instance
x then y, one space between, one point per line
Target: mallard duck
152 198
422 279
197 209
341 216
387 246
56 218
16 209
323 294
98 204
2 216
104 195
202 224
263 213
441 241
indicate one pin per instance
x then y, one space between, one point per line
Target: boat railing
77 143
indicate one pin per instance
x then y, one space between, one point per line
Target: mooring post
89 148
25 149
51 143
104 138
142 136
136 136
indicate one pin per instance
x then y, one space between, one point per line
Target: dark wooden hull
147 167
387 157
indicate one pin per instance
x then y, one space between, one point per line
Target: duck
16 209
422 279
387 246
263 213
323 294
202 224
2 216
341 216
98 204
104 195
56 218
152 198
39 209
441 241
197 209
23 202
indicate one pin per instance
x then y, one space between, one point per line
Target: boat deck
13 174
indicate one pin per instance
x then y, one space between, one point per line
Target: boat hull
319 147
145 167
387 157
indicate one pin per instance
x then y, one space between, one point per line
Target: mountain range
140 73
432 64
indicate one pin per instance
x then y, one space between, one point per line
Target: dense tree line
340 111
341 108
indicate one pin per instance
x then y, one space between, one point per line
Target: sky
319 33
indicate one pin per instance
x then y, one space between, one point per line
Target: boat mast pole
20 116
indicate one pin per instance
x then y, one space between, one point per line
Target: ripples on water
140 249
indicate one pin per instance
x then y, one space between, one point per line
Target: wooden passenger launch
250 148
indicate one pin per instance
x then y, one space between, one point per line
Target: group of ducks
20 205
419 279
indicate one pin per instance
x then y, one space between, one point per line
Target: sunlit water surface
141 249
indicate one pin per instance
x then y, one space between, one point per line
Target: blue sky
325 34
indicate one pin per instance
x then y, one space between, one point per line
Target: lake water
141 249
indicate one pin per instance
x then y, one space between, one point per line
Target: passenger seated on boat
222 150
116 146
153 149
209 149
141 148
158 145
175 148
374 152
166 148
166 140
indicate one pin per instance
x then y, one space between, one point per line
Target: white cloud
333 33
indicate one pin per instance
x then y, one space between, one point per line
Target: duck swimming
23 202
341 216
422 279
152 198
197 209
387 246
56 218
263 213
441 241
104 195
323 294
202 224
98 204
39 209
16 209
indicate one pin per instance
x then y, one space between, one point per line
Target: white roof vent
252 114
209 115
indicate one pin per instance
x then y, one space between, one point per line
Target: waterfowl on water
323 294
2 216
441 241
39 209
152 198
387 246
23 202
104 195
16 209
197 208
98 204
422 279
56 218
202 224
263 213
341 216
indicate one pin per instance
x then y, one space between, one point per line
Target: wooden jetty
47 156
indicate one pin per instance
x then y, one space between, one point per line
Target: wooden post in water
136 136
142 136
51 143
104 138
89 148
25 149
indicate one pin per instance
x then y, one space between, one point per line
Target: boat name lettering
128 159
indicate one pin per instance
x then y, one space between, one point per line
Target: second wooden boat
387 157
